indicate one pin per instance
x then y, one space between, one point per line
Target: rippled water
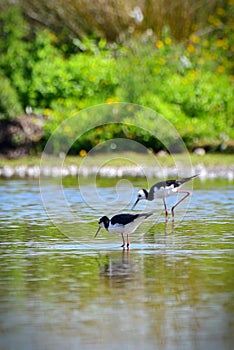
172 290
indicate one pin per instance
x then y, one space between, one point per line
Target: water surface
172 290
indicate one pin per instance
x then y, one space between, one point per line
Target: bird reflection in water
117 270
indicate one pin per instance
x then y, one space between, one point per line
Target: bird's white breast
125 229
116 228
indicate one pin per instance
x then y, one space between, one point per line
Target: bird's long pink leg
128 242
165 206
181 200
123 245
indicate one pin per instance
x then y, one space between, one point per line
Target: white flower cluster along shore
35 171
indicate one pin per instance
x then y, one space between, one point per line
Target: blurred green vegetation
187 76
123 159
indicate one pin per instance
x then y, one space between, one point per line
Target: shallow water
172 290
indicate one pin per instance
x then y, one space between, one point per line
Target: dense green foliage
190 83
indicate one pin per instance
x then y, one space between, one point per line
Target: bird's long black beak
135 204
99 228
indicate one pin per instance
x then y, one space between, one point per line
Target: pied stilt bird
122 224
164 189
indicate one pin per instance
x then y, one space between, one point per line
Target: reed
115 20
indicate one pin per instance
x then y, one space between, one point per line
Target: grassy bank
129 158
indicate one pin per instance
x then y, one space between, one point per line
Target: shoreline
35 171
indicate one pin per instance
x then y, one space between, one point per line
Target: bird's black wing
166 184
123 219
182 181
175 183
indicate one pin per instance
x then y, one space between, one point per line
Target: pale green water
172 290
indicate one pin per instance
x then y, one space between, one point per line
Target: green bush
190 83
56 81
10 106
15 62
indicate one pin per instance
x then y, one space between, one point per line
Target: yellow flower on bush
214 20
220 69
168 41
190 128
194 38
98 131
190 48
193 74
111 100
220 11
211 19
222 43
159 44
82 153
47 112
217 22
53 37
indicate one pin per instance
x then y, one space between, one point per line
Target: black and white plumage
122 224
164 189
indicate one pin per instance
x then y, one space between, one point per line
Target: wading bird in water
122 224
163 190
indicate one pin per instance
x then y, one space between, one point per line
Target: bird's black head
103 222
142 194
